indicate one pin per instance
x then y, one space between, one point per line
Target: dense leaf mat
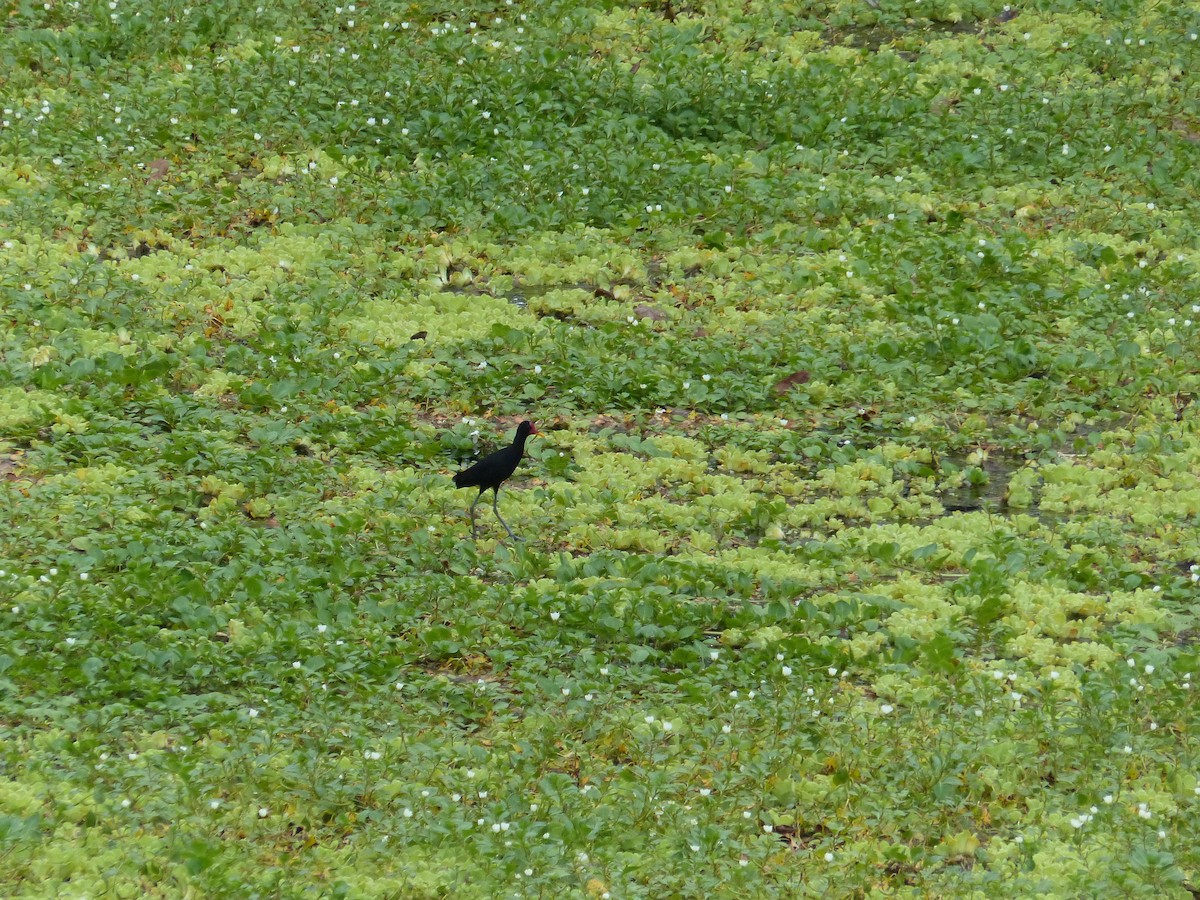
862 533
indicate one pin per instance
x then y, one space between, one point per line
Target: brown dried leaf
8 467
642 311
794 380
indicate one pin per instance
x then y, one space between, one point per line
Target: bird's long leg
496 510
471 513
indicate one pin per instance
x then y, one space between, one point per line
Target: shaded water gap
986 497
521 293
874 38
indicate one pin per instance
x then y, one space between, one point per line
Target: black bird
493 470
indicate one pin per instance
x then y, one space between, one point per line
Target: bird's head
526 428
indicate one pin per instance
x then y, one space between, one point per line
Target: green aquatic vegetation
863 551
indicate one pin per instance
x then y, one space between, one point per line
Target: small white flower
263 812
214 804
886 709
828 857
